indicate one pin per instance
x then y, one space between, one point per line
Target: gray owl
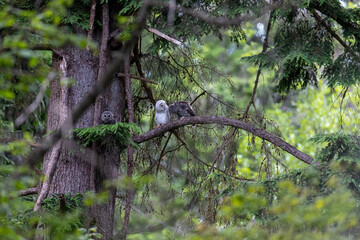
181 109
161 113
107 117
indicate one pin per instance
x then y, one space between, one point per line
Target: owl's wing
156 118
188 108
168 114
172 108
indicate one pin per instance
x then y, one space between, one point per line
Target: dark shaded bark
74 171
73 168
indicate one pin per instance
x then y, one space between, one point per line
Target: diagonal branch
334 34
163 35
148 91
137 77
35 104
157 132
338 14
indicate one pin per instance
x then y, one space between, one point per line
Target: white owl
162 114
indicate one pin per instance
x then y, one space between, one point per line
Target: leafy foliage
340 147
230 202
344 71
118 134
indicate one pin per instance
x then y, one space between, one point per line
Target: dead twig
163 35
137 77
35 104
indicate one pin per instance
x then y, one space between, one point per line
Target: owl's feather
182 109
107 117
161 112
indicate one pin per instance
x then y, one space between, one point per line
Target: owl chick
181 109
161 113
107 117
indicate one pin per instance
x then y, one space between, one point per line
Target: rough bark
59 63
74 173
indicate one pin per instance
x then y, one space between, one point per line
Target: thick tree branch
157 132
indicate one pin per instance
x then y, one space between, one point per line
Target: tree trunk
74 172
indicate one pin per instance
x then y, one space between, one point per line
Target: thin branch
198 84
341 103
35 104
163 35
338 14
265 47
328 28
162 153
43 47
223 145
220 21
208 165
192 102
158 160
137 77
37 170
157 132
29 191
148 91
